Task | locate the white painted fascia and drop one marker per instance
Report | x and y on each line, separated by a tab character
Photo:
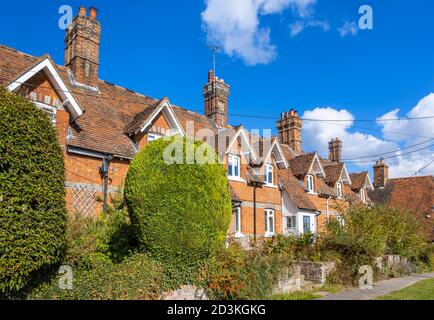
59	85
243	134
320	166
170	116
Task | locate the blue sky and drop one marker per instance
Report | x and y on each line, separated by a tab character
160	48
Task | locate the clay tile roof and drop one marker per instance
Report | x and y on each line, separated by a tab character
350	195
324	189
333	172
358	180
13	63
288	152
301	164
143	116
295	190
416	193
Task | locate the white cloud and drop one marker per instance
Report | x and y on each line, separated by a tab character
235	26
348	28
422	128
357	145
418	132
298	26
316	135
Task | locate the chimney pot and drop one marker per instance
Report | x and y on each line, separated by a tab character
335	150
381	174
93	12
82	11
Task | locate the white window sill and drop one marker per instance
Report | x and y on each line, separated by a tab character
239	235
270	186
312	193
269	235
236	179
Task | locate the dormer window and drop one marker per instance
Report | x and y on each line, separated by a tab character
269	174
339	189
310	184
234	166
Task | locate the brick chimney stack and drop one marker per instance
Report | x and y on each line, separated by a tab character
82	47
381	174
335	150
289	127
216	93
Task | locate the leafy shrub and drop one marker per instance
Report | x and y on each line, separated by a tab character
301	248
180	212
108	237
136	278
371	232
236	274
32	194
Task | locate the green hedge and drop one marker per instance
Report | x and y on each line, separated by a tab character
180	212
32	204
136	278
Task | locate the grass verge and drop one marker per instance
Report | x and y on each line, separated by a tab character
423	290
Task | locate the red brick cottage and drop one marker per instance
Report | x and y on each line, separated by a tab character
276	187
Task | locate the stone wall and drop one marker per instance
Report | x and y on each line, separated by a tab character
316	272
395	263
185	293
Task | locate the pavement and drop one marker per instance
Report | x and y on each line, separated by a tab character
380	289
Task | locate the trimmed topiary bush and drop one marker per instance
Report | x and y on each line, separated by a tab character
180	212
32	194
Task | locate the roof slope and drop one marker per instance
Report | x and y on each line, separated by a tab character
416	193
108	113
295	190
333	172
358	180
302	164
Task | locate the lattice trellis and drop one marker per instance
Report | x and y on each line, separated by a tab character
84	199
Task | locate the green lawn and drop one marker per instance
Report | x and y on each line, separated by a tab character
296	296
423	290
308	295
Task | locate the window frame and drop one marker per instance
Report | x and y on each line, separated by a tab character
270	213
363	195
292	218
49	110
233	165
269	169
339	189
238	222
310	183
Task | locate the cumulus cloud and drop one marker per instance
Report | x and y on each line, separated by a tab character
419	132
359	145
356	144
235	26
348	28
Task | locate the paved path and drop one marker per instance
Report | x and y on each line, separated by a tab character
380	288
